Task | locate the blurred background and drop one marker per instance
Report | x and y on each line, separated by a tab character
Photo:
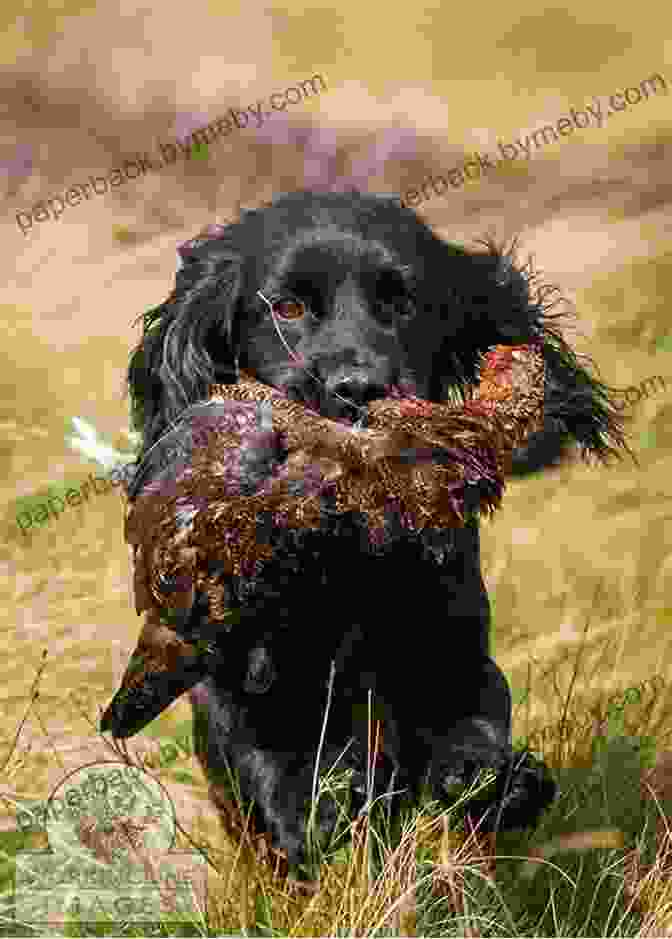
579	557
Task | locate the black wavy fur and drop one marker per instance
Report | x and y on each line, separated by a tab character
385	303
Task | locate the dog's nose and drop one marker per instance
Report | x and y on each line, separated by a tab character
348	395
359	389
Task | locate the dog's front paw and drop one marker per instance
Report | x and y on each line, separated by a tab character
521	790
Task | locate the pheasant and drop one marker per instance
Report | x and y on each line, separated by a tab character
259	472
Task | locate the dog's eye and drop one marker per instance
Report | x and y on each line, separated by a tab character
288	309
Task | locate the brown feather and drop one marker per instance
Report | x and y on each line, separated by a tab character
363	469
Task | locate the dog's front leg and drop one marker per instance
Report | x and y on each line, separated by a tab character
480	740
262	744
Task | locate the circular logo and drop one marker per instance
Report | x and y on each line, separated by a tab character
110	812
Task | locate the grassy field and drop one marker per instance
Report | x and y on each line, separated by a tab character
578	561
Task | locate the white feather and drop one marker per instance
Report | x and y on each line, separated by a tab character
86	442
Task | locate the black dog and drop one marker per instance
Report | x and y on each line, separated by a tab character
334	299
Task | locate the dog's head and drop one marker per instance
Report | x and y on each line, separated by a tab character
337	298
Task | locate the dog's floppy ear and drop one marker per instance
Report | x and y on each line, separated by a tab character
189	342
506	303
